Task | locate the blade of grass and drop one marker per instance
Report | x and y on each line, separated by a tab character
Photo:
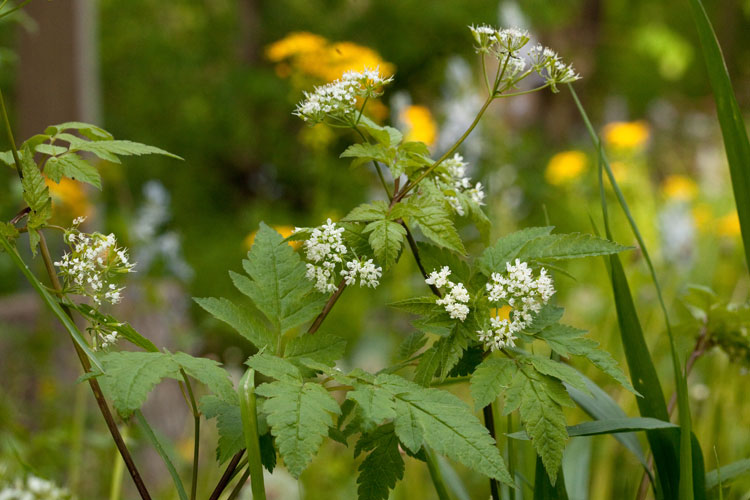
149	432
639	360
725	474
249	414
51	303
733	130
543	489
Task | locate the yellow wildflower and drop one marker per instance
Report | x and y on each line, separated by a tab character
502	312
70	196
295	44
285	231
565	167
627	135
420	124
729	225
679	187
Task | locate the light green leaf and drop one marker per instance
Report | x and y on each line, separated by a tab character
7	158
229	424
506	249
411	344
244	322
375	406
366	152
386	239
35	190
323	348
277	284
8	231
123	329
423	305
490	379
368	212
88	130
436	225
300	416
727	473
568	246
387	136
208	372
274	367
108	147
50	150
73	167
383	467
558	370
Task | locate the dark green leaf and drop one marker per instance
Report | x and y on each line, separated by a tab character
73	167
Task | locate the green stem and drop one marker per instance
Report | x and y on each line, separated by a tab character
249	414
435	474
149	432
117	472
9	132
11	11
240	484
489	423
196	436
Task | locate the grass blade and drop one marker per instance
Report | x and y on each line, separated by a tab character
543	488
51	303
249	413
722	476
609	426
149	432
733	129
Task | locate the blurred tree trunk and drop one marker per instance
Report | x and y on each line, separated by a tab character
58	77
249	32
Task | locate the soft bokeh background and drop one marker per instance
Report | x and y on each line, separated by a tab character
215	81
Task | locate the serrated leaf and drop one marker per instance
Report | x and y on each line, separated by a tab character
423	305
368	212
506	249
299	416
558	370
7	158
130	376
549	315
108	147
356	239
375	406
208	372
324	348
241	320
383	466
35	190
229	424
274	367
366	151
386	239
438	227
440	359
73	167
50	150
411	344
8	231
277	284
91	131
387	136
566	340
490	379
568	246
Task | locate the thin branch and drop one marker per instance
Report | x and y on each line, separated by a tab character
415	252
227	476
329	305
196	434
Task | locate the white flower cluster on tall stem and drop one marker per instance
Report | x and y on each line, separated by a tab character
91	265
33	488
525	294
457	297
506	45
338	100
326	252
455	179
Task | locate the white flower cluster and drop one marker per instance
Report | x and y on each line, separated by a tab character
506	44
92	263
524	294
457	297
33	488
456	179
325	251
338	100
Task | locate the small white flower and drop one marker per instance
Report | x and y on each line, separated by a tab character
33	488
369	273
453	179
439	279
455	300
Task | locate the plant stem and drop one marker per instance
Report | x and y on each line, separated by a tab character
196	436
415	252
249	413
115	488
227	476
9	132
489	423
327	308
435	474
95	388
240	485
375	163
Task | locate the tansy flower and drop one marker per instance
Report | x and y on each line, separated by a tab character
565	167
420	125
285	231
679	188
627	135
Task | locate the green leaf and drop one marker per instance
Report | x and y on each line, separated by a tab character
105	148
323	348
123	329
566	340
208	372
387	136
50	150
365	152
274	367
130	376
726	474
8	231
490	379
383	467
300	416
241	320
411	344
732	124
437	226
7	158
444	354
544	488
277	284
386	239
229	424
149	432
558	370
375	406
612	426
35	190
506	249
86	129
424	305
568	246
368	212
73	167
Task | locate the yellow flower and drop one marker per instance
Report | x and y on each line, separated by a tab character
702	216
502	312
565	167
70	196
729	225
285	231
420	124
627	135
295	44
679	187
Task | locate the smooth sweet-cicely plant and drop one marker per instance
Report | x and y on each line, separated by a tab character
476	321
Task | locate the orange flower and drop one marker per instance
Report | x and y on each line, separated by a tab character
565	167
627	135
285	231
420	124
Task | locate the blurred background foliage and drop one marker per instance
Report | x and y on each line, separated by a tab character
215	81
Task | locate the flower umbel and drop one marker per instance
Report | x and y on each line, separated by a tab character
457	297
33	488
457	186
525	294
